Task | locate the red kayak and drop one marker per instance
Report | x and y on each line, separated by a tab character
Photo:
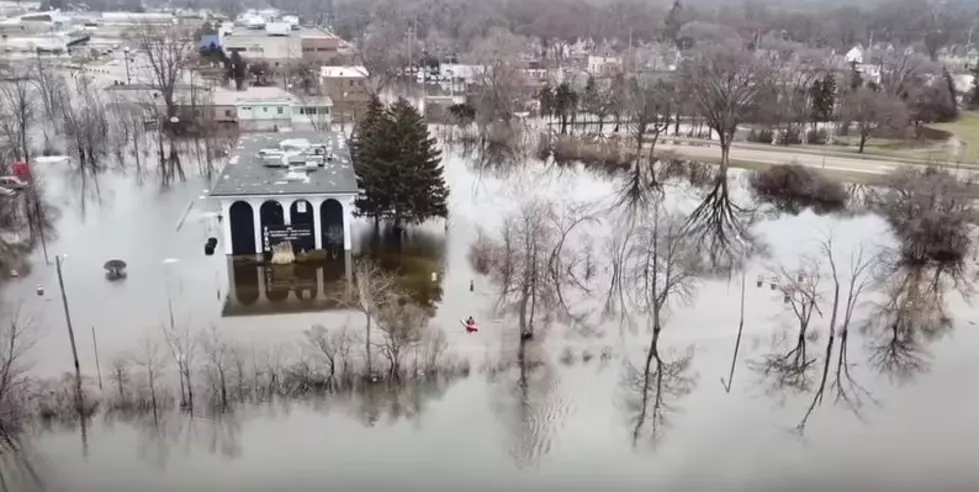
470	327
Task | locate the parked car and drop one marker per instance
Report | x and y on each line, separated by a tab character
12	183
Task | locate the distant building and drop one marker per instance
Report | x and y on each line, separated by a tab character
297	188
270	108
604	65
282	43
347	87
855	55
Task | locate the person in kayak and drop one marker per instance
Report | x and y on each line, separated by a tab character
471	325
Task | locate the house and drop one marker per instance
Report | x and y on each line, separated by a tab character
855	55
270	108
347	87
281	43
603	65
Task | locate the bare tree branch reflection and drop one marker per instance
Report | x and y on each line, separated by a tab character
912	315
654	390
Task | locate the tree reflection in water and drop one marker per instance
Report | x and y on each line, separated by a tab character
529	401
912	315
652	394
18	470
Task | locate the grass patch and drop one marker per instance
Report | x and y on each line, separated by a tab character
966	128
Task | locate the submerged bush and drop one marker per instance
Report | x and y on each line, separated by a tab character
793	188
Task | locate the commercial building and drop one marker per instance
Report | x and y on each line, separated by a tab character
347	88
297	188
271	109
281	43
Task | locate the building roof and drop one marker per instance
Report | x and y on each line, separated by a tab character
340	72
247	175
254	95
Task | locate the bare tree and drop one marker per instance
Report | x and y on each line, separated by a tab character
17	337
334	346
404	327
151	360
183	349
932	213
377	52
119	374
874	113
532	261
723	83
217	352
169	51
372	289
499	77
661	269
789	369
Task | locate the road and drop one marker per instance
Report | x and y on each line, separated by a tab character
776	157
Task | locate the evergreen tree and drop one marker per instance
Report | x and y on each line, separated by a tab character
974	93
414	180
398	166
545	97
822	94
369	149
565	104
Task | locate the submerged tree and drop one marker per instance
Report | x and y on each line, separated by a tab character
661	269
533	261
931	211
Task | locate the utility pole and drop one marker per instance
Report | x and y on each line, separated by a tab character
98	369
71	333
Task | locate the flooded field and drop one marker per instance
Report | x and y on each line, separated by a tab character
857	412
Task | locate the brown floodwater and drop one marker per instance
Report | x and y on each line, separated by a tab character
569	424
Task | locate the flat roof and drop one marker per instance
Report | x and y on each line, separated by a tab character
357	71
246	173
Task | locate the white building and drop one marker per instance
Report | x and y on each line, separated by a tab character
855	55
274	46
298	188
271	108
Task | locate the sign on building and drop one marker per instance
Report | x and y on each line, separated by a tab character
300	235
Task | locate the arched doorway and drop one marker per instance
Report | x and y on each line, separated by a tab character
331	219
242	222
271	214
301	213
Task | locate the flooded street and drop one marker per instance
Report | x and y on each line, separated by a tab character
888	417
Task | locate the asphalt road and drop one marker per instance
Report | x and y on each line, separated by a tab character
778	157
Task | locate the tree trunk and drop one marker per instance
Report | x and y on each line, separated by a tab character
863	141
367	345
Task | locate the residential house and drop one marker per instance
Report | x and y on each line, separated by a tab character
347	88
603	65
270	109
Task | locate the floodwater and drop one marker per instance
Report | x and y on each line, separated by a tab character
570	424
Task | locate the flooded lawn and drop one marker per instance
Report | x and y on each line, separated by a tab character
883	415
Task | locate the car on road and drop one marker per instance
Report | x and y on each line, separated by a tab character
12	183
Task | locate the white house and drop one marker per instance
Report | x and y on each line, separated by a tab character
855	55
271	108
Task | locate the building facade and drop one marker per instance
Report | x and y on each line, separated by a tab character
297	187
347	88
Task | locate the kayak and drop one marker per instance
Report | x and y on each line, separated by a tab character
470	328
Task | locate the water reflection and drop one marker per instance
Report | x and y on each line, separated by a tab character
300	287
529	401
653	391
18	470
256	288
912	315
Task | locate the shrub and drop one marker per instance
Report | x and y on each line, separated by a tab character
763	135
816	137
792	188
791	136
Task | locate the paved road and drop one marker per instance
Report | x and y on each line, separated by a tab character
832	163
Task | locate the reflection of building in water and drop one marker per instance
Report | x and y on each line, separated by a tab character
295	187
266	289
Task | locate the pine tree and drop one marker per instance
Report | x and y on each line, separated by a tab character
369	149
823	98
413	181
545	97
974	93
